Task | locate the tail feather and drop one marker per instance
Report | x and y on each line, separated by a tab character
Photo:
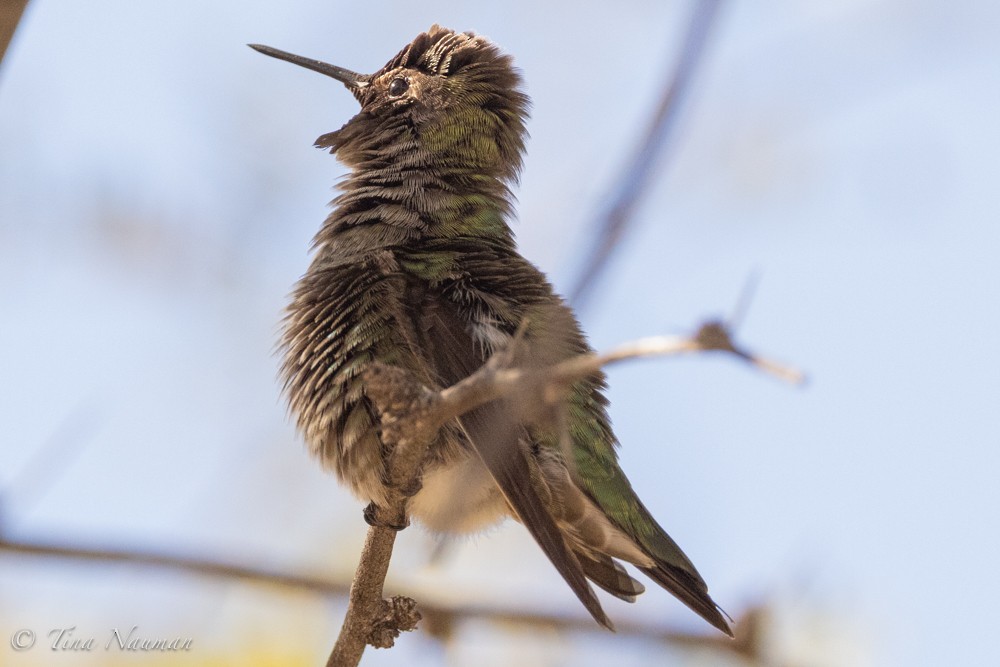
597	539
610	575
691	592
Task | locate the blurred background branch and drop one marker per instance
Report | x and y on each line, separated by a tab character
440	617
611	227
162	558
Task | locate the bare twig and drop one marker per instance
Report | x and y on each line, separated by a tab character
612	225
715	335
742	306
490	382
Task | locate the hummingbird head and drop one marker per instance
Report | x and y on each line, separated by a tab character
452	98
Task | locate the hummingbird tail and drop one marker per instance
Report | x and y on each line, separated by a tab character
609	575
494	435
690	592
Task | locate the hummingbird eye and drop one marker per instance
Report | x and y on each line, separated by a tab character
398	87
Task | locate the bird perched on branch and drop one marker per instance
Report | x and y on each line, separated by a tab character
417	267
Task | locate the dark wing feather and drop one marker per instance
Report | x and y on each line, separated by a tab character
495	434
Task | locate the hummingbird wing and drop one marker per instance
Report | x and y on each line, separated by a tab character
497	437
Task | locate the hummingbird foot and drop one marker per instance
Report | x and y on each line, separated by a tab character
375	516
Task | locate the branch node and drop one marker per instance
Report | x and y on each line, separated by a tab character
398	614
714	335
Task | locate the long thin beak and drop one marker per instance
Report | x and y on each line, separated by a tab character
352	80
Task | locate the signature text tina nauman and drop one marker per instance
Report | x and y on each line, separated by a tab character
64	639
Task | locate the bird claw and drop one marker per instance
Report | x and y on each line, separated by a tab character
372	518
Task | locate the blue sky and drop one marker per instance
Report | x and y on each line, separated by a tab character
158	192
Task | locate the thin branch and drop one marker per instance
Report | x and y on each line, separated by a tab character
490	383
613	224
742	306
408	429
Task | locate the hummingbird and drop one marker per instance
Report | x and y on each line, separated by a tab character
417	267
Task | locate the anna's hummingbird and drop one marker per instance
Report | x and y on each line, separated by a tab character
417	267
